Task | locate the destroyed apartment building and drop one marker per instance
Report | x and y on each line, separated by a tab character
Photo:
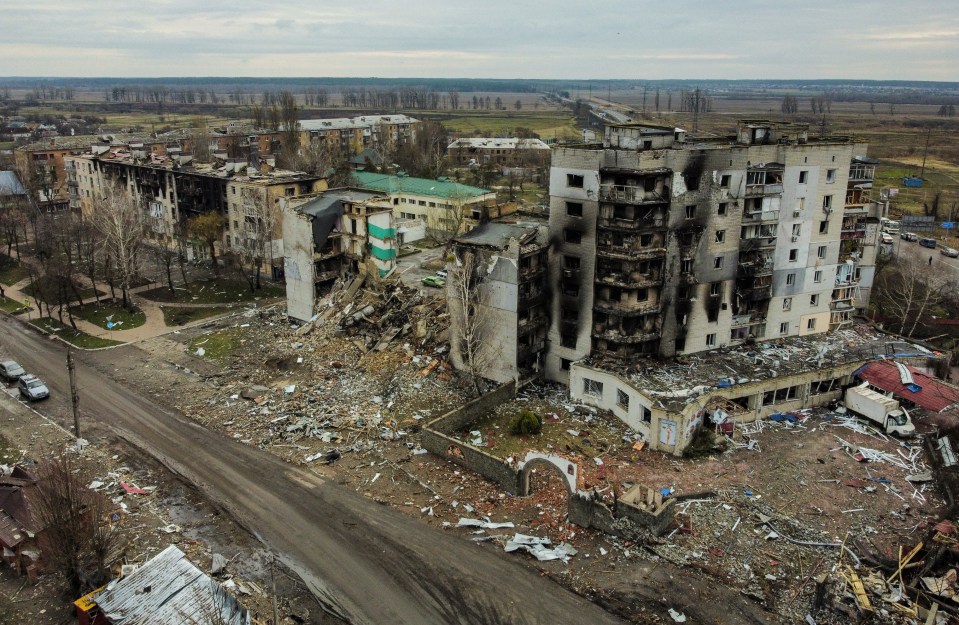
667	246
496	290
336	234
171	188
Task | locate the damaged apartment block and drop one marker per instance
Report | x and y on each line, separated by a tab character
665	245
497	294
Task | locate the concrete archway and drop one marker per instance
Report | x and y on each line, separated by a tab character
567	470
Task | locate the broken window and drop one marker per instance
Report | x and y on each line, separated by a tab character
571	262
827	203
686	266
803	175
647	415
570	314
830	175
592	388
564	364
574	180
793	255
645	240
724	181
573	236
817	276
690	211
790	279
784	327
814	299
622	398
570	289
823	227
711	340
718	262
811	324
787	303
720	236
797	230
821	252
574	209
722	208
716	288
568	340
649	185
642	295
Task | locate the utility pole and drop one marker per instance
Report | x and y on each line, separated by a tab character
925	153
74	395
276	618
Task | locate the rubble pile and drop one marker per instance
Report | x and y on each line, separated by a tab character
369	367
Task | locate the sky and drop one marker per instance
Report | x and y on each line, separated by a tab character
554	39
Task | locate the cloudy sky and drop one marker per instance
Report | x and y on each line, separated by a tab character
870	39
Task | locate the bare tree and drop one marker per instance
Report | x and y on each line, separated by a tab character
208	227
289	127
202	138
907	291
469	323
260	222
446	220
76	526
120	223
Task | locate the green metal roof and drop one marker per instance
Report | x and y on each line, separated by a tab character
417	186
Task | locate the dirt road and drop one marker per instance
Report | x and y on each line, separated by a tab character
368	563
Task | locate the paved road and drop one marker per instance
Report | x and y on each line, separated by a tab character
368	563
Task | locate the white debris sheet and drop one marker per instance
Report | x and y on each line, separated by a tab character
539	548
487	524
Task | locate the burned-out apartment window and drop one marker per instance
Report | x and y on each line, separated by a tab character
793	255
823	227
645	240
567	340
722	208
573	236
565	363
571	289
647	145
690	211
724	181
647	415
803	175
574	180
592	388
649	185
827	203
574	209
569	314
718	262
571	262
711	340
720	236
686	266
716	288
642	295
622	398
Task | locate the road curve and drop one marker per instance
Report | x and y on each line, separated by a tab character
367	563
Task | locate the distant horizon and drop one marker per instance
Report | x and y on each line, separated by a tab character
498	39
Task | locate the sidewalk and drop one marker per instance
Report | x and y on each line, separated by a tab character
153	326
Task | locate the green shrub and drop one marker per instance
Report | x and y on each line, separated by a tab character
526	423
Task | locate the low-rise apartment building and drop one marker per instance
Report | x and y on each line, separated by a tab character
504	152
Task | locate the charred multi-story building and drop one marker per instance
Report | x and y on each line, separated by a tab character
665	244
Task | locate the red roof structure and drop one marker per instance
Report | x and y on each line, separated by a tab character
926	391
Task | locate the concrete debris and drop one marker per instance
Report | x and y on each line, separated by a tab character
487	524
678	617
539	548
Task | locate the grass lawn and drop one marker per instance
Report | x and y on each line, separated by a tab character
557	124
48	287
10	305
74	337
218	345
11	271
179	316
213	291
98	315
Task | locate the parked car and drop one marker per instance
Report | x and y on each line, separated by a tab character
909	236
927	242
32	388
10	371
434	281
441	274
885	238
951	252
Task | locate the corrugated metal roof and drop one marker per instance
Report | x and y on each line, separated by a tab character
10	184
418	186
933	395
169	590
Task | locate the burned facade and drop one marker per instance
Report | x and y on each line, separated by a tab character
668	245
499	275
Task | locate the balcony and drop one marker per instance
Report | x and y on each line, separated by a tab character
524	352
859	232
629	252
624	194
615	336
528	300
761	190
627	282
746	320
755	293
760	217
757	243
527	273
632	225
532	323
626	309
754	269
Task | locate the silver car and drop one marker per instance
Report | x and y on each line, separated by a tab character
32	388
951	252
10	371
